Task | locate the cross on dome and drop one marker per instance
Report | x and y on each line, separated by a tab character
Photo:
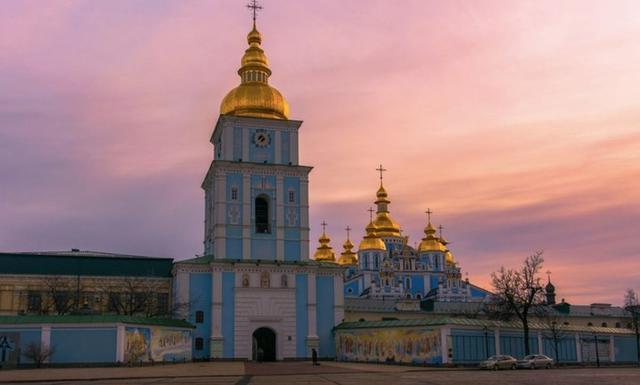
429	212
254	7
381	170
348	229
371	210
324	225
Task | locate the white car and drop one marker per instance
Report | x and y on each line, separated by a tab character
534	361
500	361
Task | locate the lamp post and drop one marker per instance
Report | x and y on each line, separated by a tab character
486	342
595	339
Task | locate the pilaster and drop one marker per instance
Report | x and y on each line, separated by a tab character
279	198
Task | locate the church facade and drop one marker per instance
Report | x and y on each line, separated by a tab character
255	293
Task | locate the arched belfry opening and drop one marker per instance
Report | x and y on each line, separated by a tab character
264	344
262	214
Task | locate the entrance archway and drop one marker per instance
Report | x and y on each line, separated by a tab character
264	344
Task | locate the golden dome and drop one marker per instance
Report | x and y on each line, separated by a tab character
385	225
348	257
372	241
324	253
430	242
254	96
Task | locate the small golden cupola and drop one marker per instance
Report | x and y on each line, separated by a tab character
348	256
254	97
430	242
385	225
324	252
371	240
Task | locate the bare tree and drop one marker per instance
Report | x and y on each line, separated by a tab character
37	353
554	328
632	306
62	295
136	295
519	291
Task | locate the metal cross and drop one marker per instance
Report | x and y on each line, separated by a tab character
370	214
440	229
324	225
254	7
429	212
348	231
381	170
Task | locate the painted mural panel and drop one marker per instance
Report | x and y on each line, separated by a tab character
157	344
9	348
417	346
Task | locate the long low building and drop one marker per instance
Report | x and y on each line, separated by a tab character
450	340
104	339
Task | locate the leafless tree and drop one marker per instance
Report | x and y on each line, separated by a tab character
632	306
37	353
554	328
62	295
136	295
519	291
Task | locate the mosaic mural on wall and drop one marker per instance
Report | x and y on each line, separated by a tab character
156	344
420	346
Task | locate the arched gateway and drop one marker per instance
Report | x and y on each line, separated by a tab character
264	345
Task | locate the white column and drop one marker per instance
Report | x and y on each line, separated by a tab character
120	336
279	198
338	299
612	350
245	144
278	147
496	337
311	303
294	147
217	339
444	344
182	294
578	348
246	216
540	349
219	229
304	219
45	338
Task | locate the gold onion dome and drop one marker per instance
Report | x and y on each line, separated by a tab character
448	257
348	256
324	252
372	241
385	225
430	242
254	97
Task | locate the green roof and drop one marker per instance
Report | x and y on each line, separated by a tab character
107	318
84	263
459	321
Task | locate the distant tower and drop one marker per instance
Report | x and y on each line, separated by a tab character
550	291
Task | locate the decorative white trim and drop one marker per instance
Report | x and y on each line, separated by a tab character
120	342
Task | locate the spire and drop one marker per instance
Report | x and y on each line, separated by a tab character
348	256
387	227
430	242
324	252
254	96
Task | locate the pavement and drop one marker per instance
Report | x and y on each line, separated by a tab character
283	373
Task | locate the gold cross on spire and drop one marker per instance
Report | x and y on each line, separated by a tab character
429	212
348	231
370	214
324	225
381	170
440	229
254	7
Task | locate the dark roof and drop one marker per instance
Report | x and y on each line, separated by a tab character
37	319
78	262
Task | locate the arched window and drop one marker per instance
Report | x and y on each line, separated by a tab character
589	324
199	317
418	296
234	193
245	280
618	325
604	324
265	280
262	215
284	281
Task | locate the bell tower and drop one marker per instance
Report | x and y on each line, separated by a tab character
256	193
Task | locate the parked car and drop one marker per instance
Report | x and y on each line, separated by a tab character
534	361
500	361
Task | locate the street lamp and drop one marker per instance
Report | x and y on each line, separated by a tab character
486	342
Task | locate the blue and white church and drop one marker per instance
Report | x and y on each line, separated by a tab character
255	291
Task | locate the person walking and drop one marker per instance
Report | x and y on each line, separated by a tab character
314	357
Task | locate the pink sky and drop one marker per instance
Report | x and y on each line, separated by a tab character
515	122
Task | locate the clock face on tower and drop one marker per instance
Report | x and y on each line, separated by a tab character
261	138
